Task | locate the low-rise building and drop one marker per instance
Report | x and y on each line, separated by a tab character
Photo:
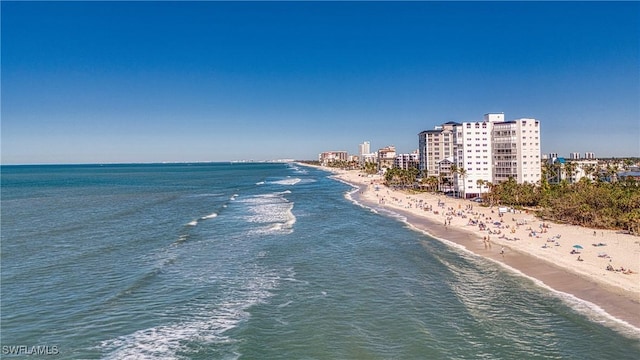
386	157
331	156
407	161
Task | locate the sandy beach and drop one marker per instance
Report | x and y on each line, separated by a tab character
566	258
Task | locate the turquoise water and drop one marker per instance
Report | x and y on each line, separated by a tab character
257	261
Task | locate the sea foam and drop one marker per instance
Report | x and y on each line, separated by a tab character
273	212
205	325
210	216
288	181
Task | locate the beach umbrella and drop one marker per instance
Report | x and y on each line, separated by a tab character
577	246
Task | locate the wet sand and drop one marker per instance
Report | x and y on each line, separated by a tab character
621	304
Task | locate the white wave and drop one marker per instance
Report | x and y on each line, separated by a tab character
204	325
210	216
288	181
297	169
285	304
592	311
193	223
206	195
182	238
233	197
272	211
260	183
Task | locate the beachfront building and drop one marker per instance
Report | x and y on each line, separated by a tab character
386	157
469	155
474	149
434	146
407	161
369	158
328	157
516	151
364	148
366	156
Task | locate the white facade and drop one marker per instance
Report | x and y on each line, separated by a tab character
516	151
364	148
492	150
474	153
574	156
406	161
331	156
434	146
386	157
369	158
582	168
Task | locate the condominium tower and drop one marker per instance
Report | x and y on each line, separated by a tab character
436	146
488	151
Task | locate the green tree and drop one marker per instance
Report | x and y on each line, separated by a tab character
463	174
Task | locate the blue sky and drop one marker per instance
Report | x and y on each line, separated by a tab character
91	82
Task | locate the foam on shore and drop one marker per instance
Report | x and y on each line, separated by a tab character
613	302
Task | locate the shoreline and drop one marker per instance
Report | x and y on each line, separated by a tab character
614	293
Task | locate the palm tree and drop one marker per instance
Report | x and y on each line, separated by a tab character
453	170
441	179
413	174
589	171
480	183
463	173
491	195
432	182
551	172
570	170
612	171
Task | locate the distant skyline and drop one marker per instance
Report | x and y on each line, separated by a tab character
109	82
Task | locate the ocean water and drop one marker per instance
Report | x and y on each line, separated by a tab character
257	261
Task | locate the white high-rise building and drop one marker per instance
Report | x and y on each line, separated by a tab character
474	154
574	156
436	145
492	150
365	154
516	151
364	148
